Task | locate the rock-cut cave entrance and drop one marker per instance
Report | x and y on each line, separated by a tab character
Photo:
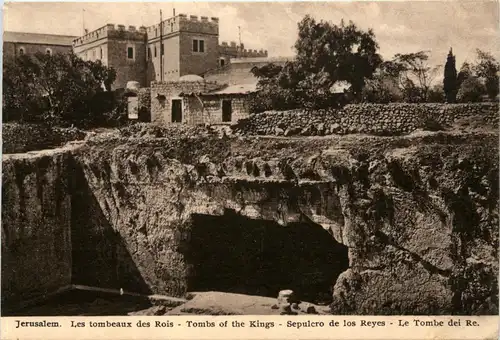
232	253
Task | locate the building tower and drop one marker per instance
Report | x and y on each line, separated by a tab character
117	47
182	45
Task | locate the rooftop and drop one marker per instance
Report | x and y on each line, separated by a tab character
261	60
236	89
227	90
38	38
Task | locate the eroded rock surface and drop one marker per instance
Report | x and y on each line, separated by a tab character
417	216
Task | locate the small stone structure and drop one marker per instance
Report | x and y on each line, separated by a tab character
199	102
378	119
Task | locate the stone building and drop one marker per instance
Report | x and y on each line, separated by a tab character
239	70
164	52
234	51
19	43
119	47
194	101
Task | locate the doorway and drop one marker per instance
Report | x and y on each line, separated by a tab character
227	111
176	110
236	254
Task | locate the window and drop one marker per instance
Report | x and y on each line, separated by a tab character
155	51
130	52
21	51
149	52
162	49
100	53
48	51
222	62
198	45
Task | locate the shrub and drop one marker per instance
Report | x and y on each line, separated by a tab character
18	138
437	95
471	90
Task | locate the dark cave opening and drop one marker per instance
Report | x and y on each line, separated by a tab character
232	253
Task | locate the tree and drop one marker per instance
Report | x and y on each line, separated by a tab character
436	94
465	72
470	90
450	78
327	53
59	88
415	74
384	87
277	88
21	101
487	68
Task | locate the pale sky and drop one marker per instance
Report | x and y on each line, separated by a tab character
400	27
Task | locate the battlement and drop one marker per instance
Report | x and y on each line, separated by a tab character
239	51
183	22
111	31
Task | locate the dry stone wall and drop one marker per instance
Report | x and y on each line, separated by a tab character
378	119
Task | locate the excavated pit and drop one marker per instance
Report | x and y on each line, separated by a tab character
418	214
235	254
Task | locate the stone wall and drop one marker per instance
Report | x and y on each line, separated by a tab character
197	62
211	110
171	59
378	119
161	106
11	49
127	69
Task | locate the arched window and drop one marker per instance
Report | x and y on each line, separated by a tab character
48	51
21	51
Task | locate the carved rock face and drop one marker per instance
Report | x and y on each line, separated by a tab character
389	226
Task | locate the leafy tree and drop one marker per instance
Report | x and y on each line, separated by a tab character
384	87
21	101
487	68
60	88
470	90
414	73
450	78
327	53
436	94
465	72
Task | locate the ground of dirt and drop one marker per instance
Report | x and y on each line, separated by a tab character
89	303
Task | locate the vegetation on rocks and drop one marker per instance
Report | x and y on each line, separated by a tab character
18	138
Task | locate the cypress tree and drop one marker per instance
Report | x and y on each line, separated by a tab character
450	78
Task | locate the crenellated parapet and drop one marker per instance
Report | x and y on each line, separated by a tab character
183	22
239	51
111	31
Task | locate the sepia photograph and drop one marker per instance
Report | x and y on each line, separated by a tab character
250	158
